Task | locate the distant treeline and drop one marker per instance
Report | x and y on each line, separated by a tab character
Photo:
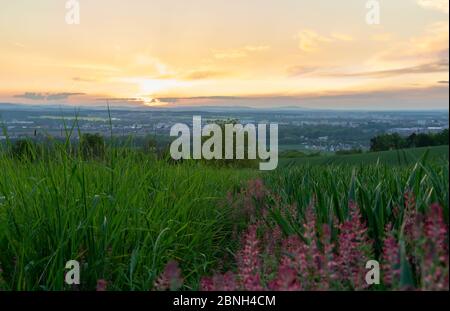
395	141
95	147
88	147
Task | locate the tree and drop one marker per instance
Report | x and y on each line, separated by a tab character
411	141
424	140
92	146
387	142
24	149
150	145
442	138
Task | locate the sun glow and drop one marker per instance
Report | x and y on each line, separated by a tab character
152	102
149	87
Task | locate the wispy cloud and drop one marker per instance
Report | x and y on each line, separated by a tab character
239	52
47	96
301	70
82	79
440	66
311	41
203	74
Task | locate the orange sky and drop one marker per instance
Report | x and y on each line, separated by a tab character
250	52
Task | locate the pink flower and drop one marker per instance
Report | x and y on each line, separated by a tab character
391	259
101	285
435	263
219	282
286	279
2	281
170	278
256	189
249	265
354	248
207	284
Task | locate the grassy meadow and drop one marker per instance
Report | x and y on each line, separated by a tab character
138	223
391	157
123	219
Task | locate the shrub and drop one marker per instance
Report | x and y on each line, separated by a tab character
24	149
92	146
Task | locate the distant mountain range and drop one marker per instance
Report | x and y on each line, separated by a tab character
34	107
96	107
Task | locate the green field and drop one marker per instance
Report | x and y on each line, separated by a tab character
393	157
126	216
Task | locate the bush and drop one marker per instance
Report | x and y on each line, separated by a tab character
92	146
24	149
386	142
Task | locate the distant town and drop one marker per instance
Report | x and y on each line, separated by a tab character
299	129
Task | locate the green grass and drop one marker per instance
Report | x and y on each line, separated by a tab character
125	217
123	220
378	189
393	157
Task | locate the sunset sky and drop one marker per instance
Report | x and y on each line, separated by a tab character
260	53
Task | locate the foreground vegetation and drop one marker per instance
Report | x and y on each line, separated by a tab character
139	223
123	218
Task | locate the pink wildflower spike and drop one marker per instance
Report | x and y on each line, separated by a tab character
314	258
272	241
436	229
410	218
229	282
2	281
256	189
207	284
286	279
170	278
390	259
221	282
329	262
352	242
101	285
249	264
435	263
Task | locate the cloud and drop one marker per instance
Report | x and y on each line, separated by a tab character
81	79
301	70
440	5
311	41
203	74
47	96
120	99
404	98
239	52
430	46
439	66
432	67
32	96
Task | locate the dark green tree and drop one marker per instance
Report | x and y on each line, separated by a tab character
24	149
92	146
